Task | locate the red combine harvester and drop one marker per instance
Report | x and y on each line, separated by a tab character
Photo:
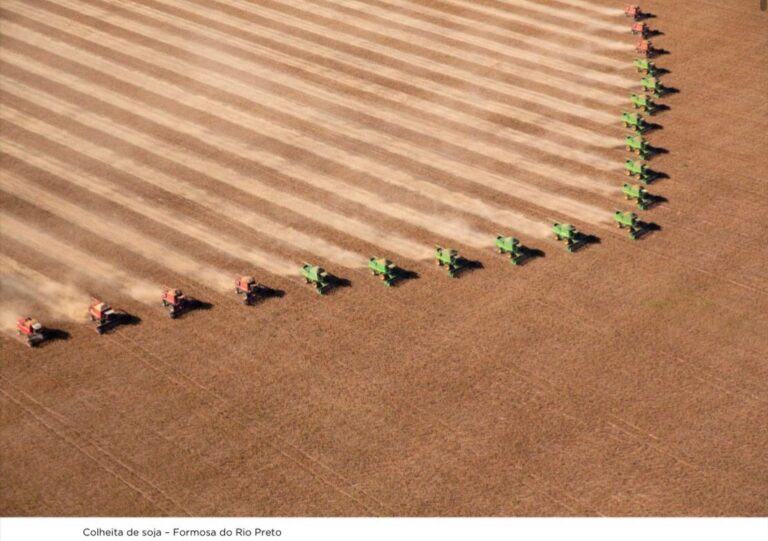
175	301
645	48
634	11
32	329
249	288
103	314
640	29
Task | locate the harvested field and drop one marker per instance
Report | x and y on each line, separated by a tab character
186	142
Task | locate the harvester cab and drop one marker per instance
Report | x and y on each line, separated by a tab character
384	269
103	314
175	301
512	247
568	235
450	259
248	288
317	276
32	330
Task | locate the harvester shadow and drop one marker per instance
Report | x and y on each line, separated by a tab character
467	265
659	108
655	176
652	126
659	52
403	275
646	228
656	151
655	201
266	292
584	241
52	335
654	33
335	282
124	318
193	305
645	16
669	90
529	254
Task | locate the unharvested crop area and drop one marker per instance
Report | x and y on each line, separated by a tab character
186	142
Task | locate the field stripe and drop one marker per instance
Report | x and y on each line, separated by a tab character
291	85
476	26
181	223
445	54
567	14
583	5
268	50
78	260
223	172
459	40
500	17
521	190
485	109
413	64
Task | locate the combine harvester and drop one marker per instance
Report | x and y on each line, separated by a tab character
645	66
571	237
175	302
634	121
639	170
31	329
638	194
451	260
652	85
103	314
634	12
513	248
645	47
249	289
638	145
317	276
630	221
387	271
642	101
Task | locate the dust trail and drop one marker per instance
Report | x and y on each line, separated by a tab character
101	272
167	218
453	167
499	34
505	16
104	226
508	50
505	217
557	84
506	135
20	284
491	109
582	5
446	226
464	76
570	14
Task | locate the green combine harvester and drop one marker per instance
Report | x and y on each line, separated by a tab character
317	276
643	65
637	169
512	247
651	84
450	259
638	194
629	220
637	144
384	269
568	235
641	101
634	121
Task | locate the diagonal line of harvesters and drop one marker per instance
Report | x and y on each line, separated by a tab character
643	102
177	303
